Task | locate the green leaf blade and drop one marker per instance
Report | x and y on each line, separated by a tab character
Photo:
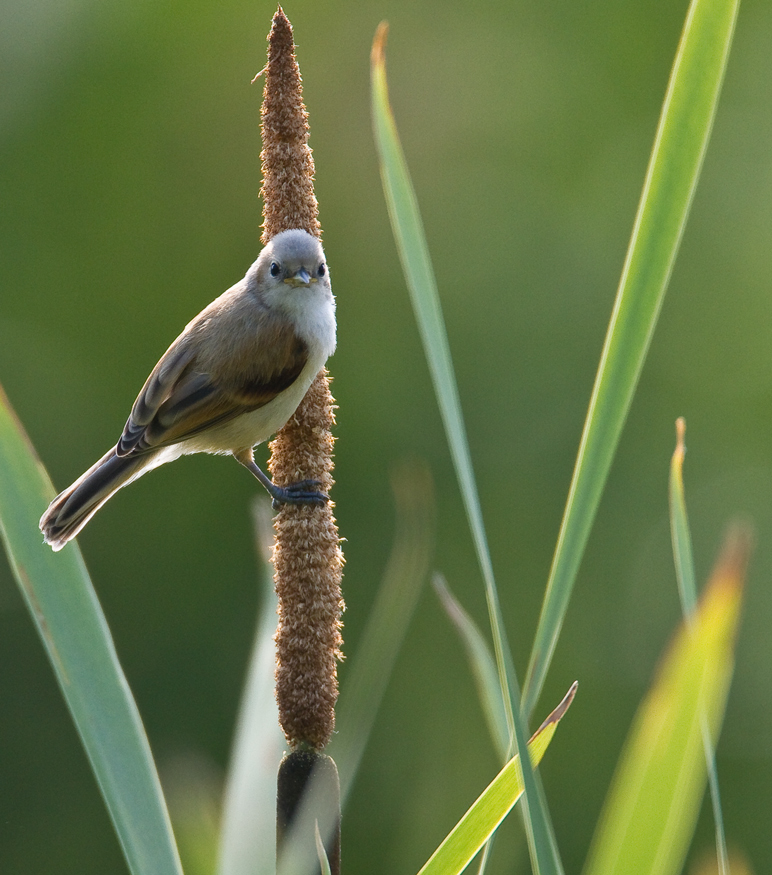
674	168
59	595
414	255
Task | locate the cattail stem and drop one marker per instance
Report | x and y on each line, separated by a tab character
308	797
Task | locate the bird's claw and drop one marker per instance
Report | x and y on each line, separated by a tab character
302	492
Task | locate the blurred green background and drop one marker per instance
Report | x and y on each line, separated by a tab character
129	171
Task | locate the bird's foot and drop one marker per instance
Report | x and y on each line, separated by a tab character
302	492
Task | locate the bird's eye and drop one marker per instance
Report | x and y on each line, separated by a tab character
322	269
275	268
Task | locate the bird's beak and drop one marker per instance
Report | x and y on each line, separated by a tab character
301	278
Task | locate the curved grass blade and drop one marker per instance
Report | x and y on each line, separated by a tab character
480	822
481	662
674	168
248	829
652	806
416	264
684	563
59	595
368	674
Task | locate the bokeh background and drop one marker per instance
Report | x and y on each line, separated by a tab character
129	172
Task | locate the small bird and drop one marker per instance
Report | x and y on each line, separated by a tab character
232	379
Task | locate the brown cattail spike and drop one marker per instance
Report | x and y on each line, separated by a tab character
288	166
308	565
307	558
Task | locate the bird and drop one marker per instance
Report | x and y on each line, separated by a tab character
233	378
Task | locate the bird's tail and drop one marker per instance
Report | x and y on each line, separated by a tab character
73	508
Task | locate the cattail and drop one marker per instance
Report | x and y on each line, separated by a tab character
307	558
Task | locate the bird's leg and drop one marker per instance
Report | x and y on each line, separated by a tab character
302	492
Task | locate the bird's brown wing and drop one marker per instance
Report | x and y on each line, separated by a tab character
158	387
178	401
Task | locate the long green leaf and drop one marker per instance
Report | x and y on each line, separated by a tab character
62	602
682	137
416	264
684	563
652	806
479	823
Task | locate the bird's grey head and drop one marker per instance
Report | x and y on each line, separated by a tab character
292	259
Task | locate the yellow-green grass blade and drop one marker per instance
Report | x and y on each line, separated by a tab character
684	563
682	137
652	806
481	663
62	602
479	823
416	264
